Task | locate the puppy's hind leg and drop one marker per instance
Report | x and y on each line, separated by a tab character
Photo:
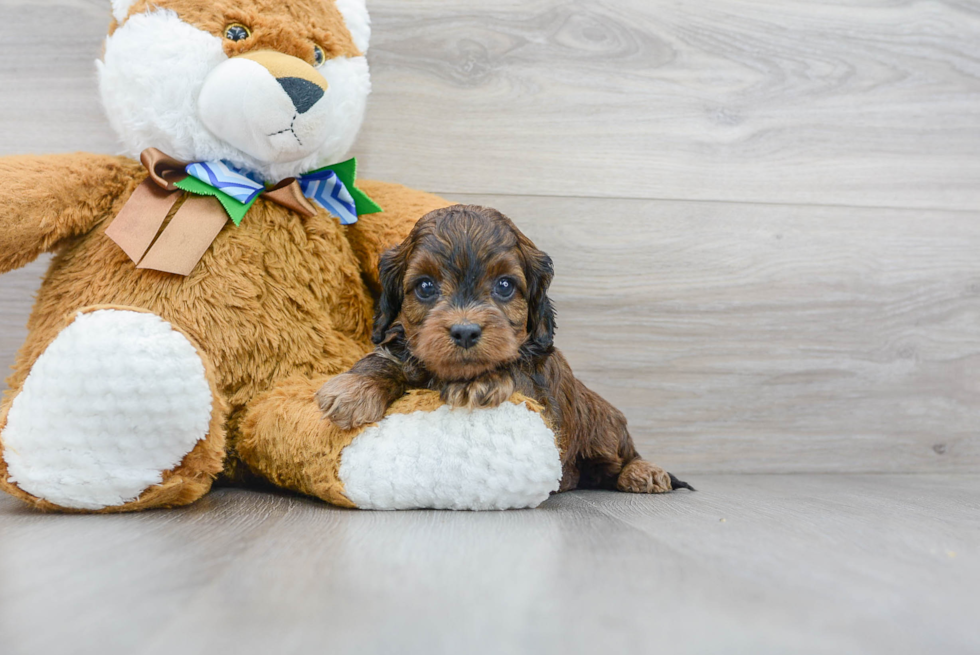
641	477
607	457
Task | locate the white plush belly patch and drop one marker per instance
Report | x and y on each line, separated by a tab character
118	398
502	458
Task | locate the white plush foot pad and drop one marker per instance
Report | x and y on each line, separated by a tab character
503	458
117	399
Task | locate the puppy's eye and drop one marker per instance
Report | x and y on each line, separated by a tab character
319	56
505	288
237	32
426	289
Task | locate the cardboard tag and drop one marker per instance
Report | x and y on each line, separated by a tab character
140	219
190	233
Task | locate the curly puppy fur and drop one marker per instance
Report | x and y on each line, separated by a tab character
464	310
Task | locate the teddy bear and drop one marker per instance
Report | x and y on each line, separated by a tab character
209	280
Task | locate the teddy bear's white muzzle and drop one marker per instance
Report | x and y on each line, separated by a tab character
274	119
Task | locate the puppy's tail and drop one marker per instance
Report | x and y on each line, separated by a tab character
676	484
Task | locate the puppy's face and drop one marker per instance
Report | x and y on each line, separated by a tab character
469	290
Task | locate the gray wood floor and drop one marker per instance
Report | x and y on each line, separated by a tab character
748	564
765	218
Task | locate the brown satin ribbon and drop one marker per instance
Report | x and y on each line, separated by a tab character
194	227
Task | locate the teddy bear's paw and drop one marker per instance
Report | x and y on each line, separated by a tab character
117	399
501	458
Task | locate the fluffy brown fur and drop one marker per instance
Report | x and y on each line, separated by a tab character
291	27
280	296
464	310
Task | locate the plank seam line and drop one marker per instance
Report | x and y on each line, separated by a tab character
711	201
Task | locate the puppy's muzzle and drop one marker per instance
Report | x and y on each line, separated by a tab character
465	335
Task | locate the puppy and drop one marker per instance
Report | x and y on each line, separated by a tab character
464	309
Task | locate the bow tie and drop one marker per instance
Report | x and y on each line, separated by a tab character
324	186
197	222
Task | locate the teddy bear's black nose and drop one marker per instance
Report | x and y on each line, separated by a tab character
303	93
465	335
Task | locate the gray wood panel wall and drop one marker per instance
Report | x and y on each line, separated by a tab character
765	217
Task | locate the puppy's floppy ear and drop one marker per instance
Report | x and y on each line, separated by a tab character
538	270
391	271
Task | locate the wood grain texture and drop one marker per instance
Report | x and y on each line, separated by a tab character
760	564
48	82
874	102
755	338
735	336
17	290
763	338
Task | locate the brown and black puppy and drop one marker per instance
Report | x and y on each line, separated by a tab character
465	310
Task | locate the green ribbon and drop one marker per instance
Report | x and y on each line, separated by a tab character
346	171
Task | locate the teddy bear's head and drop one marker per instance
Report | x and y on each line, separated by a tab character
278	87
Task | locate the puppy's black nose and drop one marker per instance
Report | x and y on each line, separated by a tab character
465	335
303	93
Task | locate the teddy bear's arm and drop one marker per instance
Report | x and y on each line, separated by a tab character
375	233
47	198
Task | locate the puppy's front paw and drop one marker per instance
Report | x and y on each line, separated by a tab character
485	392
351	400
642	477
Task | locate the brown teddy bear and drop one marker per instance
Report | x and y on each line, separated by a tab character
201	295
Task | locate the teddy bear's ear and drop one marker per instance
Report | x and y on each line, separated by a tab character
120	9
355	14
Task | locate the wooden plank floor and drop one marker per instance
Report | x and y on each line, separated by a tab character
736	332
868	102
765	219
689	167
754	338
748	564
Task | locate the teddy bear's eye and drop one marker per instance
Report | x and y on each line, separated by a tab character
237	32
319	56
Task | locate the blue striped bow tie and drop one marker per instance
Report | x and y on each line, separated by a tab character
326	187
182	243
